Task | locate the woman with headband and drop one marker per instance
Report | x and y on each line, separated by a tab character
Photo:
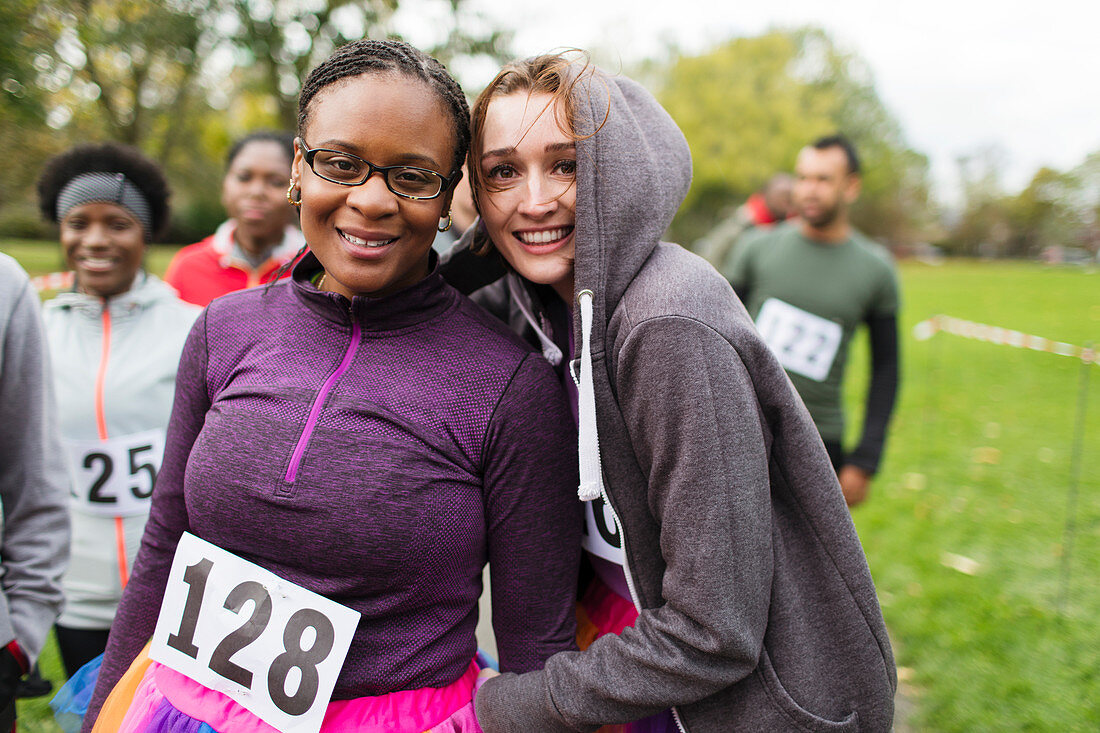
115	341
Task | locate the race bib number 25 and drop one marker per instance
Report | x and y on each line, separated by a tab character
272	646
115	477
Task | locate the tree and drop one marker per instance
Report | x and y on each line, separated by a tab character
127	67
748	106
25	45
22	41
180	78
1057	210
983	226
274	43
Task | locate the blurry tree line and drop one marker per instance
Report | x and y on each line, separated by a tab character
179	79
1056	217
182	78
748	107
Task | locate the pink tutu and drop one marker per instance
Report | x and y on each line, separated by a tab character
166	701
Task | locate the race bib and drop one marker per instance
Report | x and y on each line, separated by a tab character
272	646
115	477
601	532
802	342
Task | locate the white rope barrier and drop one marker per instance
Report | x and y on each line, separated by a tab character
53	281
928	328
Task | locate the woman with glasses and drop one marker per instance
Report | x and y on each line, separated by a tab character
727	588
348	447
259	236
115	340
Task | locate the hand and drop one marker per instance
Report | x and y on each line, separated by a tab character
486	674
855	483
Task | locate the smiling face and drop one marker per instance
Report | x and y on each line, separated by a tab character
105	245
370	240
254	194
529	166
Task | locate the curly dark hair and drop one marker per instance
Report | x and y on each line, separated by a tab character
369	56
105	158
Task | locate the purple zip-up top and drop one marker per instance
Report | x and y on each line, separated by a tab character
378	452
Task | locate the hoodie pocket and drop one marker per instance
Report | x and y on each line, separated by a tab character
800	718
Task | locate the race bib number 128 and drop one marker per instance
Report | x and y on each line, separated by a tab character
272	646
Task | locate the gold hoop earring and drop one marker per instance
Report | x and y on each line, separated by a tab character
290	195
449	222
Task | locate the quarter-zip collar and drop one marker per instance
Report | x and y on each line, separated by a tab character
410	307
145	290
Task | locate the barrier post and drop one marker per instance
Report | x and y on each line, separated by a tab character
1069	535
926	331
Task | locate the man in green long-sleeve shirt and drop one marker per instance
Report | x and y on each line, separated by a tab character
809	284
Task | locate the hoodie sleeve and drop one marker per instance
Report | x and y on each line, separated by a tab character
137	613
696	430
33	480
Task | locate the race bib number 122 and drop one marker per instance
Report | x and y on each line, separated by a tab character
803	343
272	646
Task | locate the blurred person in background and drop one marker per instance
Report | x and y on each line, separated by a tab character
259	236
760	212
34	522
115	341
809	285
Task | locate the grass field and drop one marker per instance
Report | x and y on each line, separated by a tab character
964	529
39	258
978	468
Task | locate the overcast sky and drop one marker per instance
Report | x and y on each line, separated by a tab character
958	74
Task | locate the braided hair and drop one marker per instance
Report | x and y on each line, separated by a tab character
285	141
369	56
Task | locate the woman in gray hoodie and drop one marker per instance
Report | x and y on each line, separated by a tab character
730	590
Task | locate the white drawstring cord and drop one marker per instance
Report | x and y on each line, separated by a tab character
588	439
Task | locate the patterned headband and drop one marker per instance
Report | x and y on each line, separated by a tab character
106	188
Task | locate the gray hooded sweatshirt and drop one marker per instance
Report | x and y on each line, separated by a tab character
34	486
758	612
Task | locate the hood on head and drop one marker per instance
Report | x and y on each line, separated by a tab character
633	172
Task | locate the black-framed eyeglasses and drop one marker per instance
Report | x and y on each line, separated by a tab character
350	170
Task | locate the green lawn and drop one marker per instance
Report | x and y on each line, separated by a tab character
39	258
978	468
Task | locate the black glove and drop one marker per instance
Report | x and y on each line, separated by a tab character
10	671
